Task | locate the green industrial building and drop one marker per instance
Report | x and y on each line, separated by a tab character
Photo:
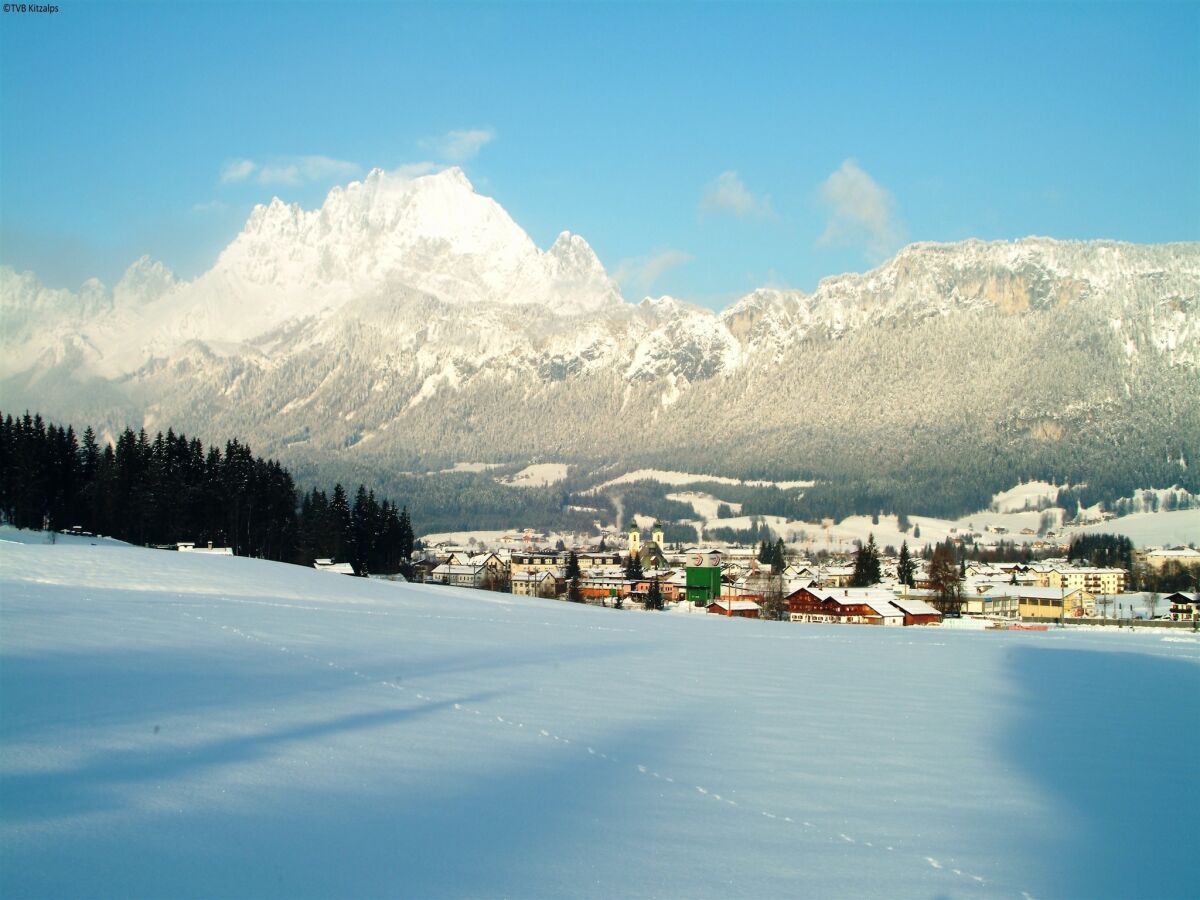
703	584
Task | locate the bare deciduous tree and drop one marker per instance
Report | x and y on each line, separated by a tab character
773	606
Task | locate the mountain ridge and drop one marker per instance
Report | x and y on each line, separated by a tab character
412	319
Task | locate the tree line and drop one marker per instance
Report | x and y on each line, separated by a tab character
171	489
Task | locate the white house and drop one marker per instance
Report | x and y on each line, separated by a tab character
190	547
328	565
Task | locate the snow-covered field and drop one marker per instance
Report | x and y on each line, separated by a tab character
705	505
1027	495
1015	511
181	725
680	478
538	475
1159	529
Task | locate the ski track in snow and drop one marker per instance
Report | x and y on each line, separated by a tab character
543	733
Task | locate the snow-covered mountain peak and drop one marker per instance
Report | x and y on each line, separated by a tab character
387	235
433	233
145	281
568	246
667	303
271	217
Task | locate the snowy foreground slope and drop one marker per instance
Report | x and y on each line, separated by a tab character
179	725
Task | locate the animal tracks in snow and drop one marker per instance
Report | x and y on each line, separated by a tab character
639	768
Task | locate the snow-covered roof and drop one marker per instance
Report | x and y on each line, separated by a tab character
1028	592
342	568
914	607
734	605
539	575
884	607
447	569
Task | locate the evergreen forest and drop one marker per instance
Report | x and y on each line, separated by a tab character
169	489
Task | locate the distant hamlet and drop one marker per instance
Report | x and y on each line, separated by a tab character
171	493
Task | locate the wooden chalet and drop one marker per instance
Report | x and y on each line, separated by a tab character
845	605
741	609
1184	607
859	606
916	611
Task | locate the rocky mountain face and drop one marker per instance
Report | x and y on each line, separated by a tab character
411	323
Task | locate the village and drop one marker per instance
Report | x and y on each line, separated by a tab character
634	571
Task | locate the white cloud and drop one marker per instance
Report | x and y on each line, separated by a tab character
460	145
638	273
728	194
237	170
415	169
860	212
290	170
304	169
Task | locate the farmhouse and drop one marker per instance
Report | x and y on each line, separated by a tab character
916	612
328	565
1184	607
865	606
743	609
190	547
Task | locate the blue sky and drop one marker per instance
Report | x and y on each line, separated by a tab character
702	149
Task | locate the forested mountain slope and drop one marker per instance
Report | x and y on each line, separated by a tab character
411	324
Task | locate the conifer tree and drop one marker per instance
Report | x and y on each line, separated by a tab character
905	568
572	573
778	556
654	597
339	521
405	540
866	564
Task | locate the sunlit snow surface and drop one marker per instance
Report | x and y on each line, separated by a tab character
180	725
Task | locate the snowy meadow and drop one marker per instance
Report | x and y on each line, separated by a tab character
177	725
